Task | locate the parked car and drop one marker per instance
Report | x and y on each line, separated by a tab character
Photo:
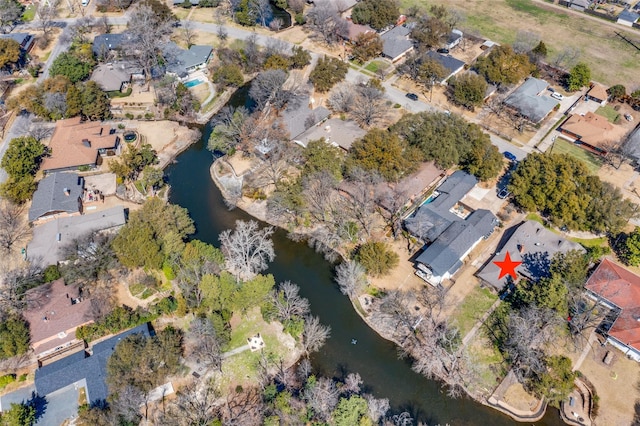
504	193
558	96
628	117
443	50
412	96
510	156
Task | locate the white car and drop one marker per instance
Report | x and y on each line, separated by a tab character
558	96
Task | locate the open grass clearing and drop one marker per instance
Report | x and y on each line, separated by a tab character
29	13
488	363
561	146
590	242
467	314
609	113
611	60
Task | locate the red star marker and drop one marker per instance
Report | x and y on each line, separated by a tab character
507	266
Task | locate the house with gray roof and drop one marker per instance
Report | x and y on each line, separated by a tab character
298	116
181	62
627	17
337	132
114	77
84	369
25	40
57	193
453	39
396	42
105	43
529	100
50	238
337	5
451	64
444	257
435	216
533	245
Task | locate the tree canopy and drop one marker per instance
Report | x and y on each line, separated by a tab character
378	14
327	72
448	140
579	77
377	258
367	46
384	152
321	156
21	162
468	90
71	66
9	52
560	187
504	66
14	337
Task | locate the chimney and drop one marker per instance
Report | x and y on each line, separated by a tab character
521	248
101	128
86	142
67	192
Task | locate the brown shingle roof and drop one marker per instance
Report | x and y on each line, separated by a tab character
68	148
53	316
598	91
622	288
593	129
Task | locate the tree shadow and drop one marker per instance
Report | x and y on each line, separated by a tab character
39	403
537	264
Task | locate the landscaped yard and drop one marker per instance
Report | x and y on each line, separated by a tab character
609	113
29	13
611	59
561	146
472	308
488	363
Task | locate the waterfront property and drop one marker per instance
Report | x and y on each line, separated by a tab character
335	131
76	143
54	311
182	62
618	289
115	77
534	246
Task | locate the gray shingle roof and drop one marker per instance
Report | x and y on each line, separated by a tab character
80	365
180	60
335	131
25	40
105	42
452	64
532	244
445	254
295	116
111	77
57	192
628	16
396	41
527	101
430	220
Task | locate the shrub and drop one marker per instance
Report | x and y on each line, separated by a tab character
51	273
168	271
129	115
377	257
6	379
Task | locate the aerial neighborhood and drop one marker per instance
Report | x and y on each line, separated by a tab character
206	208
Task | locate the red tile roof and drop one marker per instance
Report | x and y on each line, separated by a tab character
53	317
620	287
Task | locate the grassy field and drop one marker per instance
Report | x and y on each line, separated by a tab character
29	13
593	163
611	60
488	364
609	113
472	308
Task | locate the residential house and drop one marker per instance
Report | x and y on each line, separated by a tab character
105	43
411	189
396	43
353	31
180	2
453	39
338	5
627	17
24	40
76	143
436	214
533	245
487	45
618	289
632	145
335	131
597	93
451	64
115	77
579	5
182	62
50	238
54	312
83	369
529	100
444	257
299	115
592	132
57	194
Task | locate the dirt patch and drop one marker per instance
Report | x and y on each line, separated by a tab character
168	138
625	178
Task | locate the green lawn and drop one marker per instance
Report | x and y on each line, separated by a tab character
488	363
561	146
29	13
591	242
472	308
609	113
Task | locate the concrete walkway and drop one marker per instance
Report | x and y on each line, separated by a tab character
235	351
586	350
466	339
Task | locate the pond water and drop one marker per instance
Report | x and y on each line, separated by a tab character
373	357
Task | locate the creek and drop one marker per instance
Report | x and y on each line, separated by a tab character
373	357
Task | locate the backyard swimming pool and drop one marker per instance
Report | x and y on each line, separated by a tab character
192	83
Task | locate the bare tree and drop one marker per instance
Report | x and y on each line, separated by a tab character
266	89
127	403
275	167
10	13
525	41
351	278
188	33
89	258
377	407
314	334
391	203
322	397
46	13
262	10
369	107
14	286
321	199
13	225
204	343
352	384
360	203
247	249
342	97
326	22
288	302
103	23
149	33
194	405
566	58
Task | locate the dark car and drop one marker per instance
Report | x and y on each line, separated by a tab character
443	50
504	193
412	96
509	156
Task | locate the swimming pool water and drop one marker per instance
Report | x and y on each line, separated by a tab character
192	83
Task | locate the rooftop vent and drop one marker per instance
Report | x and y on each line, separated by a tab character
86	142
